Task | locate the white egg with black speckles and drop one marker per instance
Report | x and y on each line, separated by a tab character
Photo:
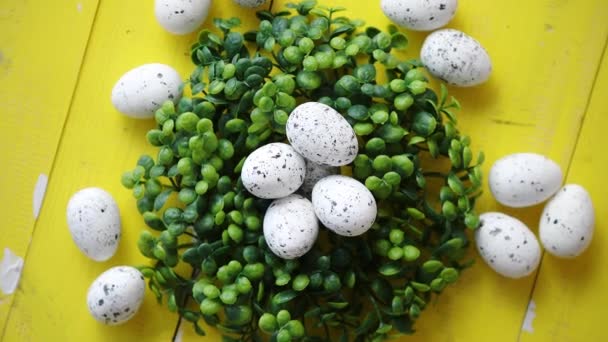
321	134
290	226
142	90
94	222
250	3
116	295
314	173
567	223
524	179
456	58
507	245
273	171
344	205
181	16
420	15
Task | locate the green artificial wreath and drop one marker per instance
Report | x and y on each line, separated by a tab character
243	88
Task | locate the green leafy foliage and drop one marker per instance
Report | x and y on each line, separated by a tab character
243	88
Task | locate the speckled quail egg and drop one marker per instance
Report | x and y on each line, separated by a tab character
116	295
456	58
181	16
420	15
567	223
94	223
250	3
507	245
290	226
344	205
273	171
314	173
321	135
142	90
524	179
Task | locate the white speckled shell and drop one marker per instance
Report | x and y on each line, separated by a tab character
290	226
456	58
420	15
142	90
344	205
181	16
567	223
524	179
273	171
94	222
321	135
507	245
314	173
250	3
116	295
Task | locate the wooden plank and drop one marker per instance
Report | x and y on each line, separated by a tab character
544	56
98	144
568	299
42	44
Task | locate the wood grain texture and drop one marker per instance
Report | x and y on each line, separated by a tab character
98	144
569	294
545	56
41	48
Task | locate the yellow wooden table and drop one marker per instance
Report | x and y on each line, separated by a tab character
59	60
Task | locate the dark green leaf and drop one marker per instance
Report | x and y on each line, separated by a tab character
264	15
384	328
399	40
368	323
198	329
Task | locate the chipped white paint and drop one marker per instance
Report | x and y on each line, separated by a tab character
79	6
39	191
10	271
530	314
180	333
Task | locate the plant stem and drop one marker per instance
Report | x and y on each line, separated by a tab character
434	174
191	235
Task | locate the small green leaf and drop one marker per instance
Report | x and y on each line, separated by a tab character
390	269
432	266
197	328
443	95
456	184
398	41
481	157
284	297
171	303
450	275
161	199
368	323
415	140
338	305
384	328
420	287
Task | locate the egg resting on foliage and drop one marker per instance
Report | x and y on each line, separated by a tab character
242	96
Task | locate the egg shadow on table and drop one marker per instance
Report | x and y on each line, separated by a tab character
578	270
139	127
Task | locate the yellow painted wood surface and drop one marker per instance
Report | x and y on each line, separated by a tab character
545	54
42	44
570	295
